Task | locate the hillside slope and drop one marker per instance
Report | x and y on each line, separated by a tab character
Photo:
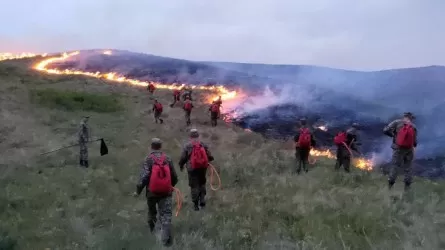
50	203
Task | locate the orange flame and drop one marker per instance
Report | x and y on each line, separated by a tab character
43	66
11	56
361	163
225	94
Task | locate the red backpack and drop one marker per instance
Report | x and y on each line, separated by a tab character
176	92
198	158
160	179
158	107
151	87
340	138
215	108
405	136
188	106
304	140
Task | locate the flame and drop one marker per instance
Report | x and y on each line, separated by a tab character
43	66
361	163
11	56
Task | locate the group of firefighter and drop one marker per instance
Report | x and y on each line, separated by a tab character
214	109
158	176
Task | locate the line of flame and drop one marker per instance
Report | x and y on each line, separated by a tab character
43	66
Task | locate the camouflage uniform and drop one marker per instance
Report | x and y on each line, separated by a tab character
302	154
402	158
219	102
157	114
196	177
164	202
213	117
343	154
187	114
83	139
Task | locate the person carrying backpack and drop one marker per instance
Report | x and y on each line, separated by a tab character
158	177
343	154
176	97
188	106
304	140
157	109
196	156
151	88
214	113
404	134
219	103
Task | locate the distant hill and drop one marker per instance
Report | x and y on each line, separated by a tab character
348	95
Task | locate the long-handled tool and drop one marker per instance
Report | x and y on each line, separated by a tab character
103	147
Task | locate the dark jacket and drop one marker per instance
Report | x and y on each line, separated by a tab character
352	139
297	136
145	175
186	153
393	128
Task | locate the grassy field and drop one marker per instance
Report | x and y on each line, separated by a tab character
49	202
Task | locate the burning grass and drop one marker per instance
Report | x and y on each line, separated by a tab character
49	202
76	101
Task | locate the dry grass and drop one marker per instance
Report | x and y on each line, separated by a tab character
49	202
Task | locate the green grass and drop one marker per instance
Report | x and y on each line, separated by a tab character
50	202
75	101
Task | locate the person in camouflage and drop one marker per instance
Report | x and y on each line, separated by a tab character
302	154
197	177
83	139
219	102
187	94
214	114
402	158
343	155
187	112
164	202
157	110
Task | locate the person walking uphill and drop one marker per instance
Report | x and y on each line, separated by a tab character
343	155
151	88
157	109
176	97
188	106
83	139
158	177
214	113
196	156
304	140
404	134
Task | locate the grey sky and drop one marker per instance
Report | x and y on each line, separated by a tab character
366	34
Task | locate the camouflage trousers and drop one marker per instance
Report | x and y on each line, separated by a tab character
175	100
187	117
164	206
401	159
343	159
302	157
157	116
214	118
197	182
83	151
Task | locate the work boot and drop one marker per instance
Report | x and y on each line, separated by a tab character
202	203
81	163
390	184
151	224
162	121
85	164
196	207
407	187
